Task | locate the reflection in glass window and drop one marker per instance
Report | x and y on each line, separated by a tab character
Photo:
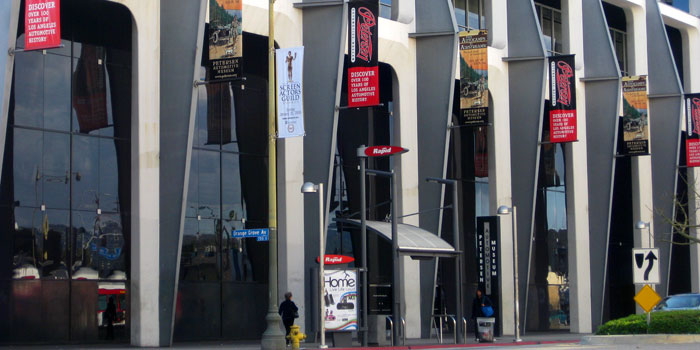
470	14
619	40
385	9
550	21
548	296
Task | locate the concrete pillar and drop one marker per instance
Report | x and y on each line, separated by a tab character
145	170
577	186
694	7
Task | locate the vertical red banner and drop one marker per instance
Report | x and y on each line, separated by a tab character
692	142
42	24
363	71
562	112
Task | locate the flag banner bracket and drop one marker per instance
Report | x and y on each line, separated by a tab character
682	167
302	5
11	51
452	126
630	155
552	143
198	83
339	108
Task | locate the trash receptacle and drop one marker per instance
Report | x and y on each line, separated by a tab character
485	327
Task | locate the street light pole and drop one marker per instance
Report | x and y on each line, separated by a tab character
272	338
364	327
309	187
504	210
458	258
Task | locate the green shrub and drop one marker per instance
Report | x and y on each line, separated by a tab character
662	322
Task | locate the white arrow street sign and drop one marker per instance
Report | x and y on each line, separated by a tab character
645	265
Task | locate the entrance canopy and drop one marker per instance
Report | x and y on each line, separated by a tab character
413	241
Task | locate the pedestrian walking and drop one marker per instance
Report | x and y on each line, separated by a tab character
289	311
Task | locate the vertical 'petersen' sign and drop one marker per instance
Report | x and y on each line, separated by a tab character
692	119
363	72
225	39
473	78
562	99
635	116
42	24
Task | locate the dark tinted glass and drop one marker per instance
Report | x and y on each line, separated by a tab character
200	251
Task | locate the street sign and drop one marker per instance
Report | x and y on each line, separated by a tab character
331	259
645	265
647	298
261	234
383	151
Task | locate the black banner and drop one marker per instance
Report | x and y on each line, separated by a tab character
692	120
225	39
488	252
635	116
473	78
562	99
363	69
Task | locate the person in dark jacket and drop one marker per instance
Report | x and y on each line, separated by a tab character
480	300
110	315
289	311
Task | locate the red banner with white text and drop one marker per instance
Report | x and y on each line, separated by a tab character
42	24
562	99
692	141
363	71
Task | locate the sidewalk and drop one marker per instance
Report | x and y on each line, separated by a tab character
529	339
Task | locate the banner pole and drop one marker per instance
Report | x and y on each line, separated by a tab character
272	338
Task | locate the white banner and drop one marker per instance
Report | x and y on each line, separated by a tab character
290	100
340	297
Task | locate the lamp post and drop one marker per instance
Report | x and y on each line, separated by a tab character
310	187
272	338
458	258
504	210
641	225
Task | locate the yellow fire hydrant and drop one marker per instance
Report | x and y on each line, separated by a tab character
295	336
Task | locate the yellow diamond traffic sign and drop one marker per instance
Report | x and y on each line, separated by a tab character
647	298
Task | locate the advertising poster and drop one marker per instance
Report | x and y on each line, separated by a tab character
473	78
635	116
290	101
692	124
562	99
487	256
42	24
225	38
340	297
90	89
363	71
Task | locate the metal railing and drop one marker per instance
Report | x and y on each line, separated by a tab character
464	329
438	325
403	330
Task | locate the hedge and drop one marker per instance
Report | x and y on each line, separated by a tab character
662	322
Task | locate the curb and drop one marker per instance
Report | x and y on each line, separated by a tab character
634	339
454	346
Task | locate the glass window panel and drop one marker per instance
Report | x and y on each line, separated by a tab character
209	169
109	174
118	95
474	14
234	206
229	131
57	93
200	261
236	263
90	90
193	189
461	12
86	172
56	170
26	155
110	255
29	89
85	232
547	28
26	243
558	37
385	9
208	120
